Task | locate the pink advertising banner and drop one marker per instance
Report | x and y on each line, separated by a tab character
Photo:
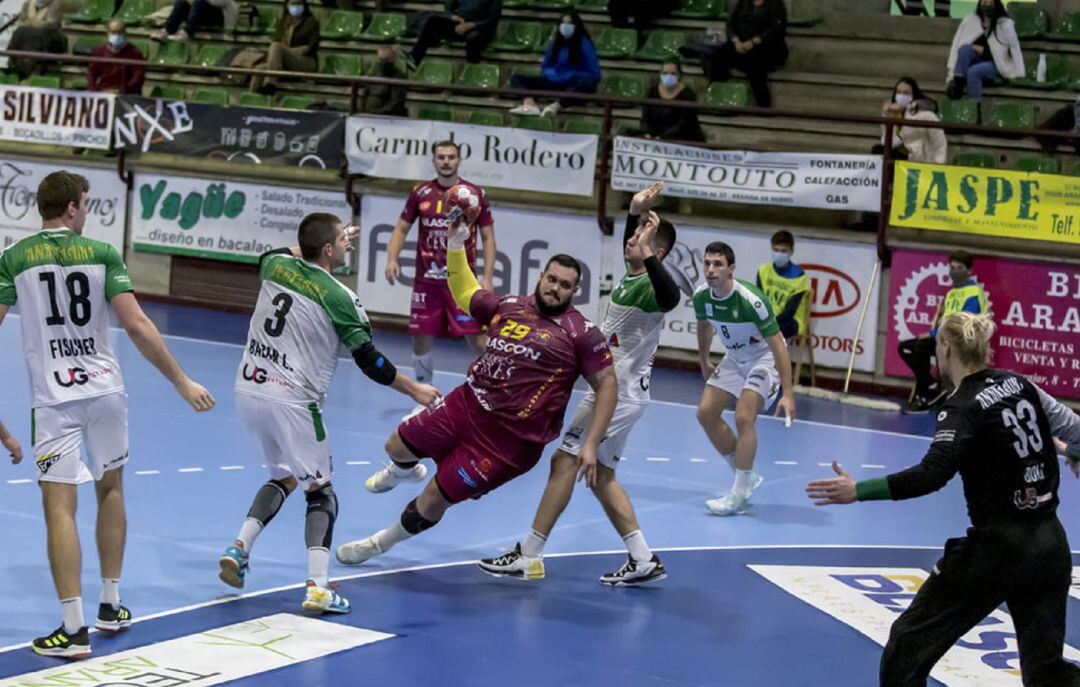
1035	305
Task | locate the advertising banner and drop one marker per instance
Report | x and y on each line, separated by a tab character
524	239
807	180
244	135
496	156
46	115
106	202
221	220
1036	307
991	202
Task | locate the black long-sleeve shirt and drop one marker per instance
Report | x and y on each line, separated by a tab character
484	13
767	21
997	431
667	292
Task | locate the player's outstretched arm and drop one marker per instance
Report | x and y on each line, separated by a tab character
380	370
147	339
606	386
779	349
11	444
459	276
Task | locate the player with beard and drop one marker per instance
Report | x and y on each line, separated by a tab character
493	427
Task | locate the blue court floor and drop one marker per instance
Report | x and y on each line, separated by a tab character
789	594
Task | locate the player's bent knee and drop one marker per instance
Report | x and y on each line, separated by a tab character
563	462
707	415
413	521
398	451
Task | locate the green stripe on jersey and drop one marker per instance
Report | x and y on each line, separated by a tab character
316	284
636	291
64	248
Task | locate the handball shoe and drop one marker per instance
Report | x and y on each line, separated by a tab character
385	479
634	573
356	552
234	565
324	600
728	504
62	644
514	564
111	619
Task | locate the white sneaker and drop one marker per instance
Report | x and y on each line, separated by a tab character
358	551
527	110
159	35
633	573
551	110
513	564
324	600
755	482
728	504
180	36
413	413
385	479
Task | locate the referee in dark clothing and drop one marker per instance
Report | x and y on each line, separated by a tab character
997	430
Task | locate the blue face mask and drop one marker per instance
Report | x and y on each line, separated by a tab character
116	40
296	10
567	30
781	260
669	80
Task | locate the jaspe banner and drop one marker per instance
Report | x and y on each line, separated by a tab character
244	135
993	202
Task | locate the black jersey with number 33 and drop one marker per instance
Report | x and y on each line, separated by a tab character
997	431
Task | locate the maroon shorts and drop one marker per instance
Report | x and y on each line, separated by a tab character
474	453
433	311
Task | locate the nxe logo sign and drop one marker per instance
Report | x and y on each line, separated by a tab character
145	127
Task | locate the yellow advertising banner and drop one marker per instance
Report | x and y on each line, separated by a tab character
993	202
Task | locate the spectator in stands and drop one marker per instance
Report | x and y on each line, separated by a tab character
471	21
38	31
786	286
1064	119
755	45
913	143
965	295
386	100
569	65
295	47
189	16
639	14
115	78
671	123
985	48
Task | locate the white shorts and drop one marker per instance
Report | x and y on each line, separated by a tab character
614	442
292	437
60	432
762	378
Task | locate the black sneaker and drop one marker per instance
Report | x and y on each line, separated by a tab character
111	619
63	645
514	564
633	573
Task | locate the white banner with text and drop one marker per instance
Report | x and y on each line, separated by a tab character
82	119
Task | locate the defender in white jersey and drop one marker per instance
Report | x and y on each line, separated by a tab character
64	284
632	325
756	367
304	316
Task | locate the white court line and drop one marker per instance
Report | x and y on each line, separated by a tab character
657	459
785	462
189	470
148	472
19	481
824	465
358	462
231	467
699	460
877	467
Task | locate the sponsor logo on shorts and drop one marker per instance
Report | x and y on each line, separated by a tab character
254	373
73	376
114	461
462	318
47	461
466	478
483	466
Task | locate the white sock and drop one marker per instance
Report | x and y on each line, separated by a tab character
72	611
533	546
635	544
423	368
399	471
318	565
729	458
110	593
248	532
394	534
741	488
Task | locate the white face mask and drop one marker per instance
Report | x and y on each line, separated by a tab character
567	30
781	260
669	80
116	40
296	10
903	99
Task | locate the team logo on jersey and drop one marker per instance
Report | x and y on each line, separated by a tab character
75	375
256	375
754	340
47	461
941	416
614	340
425	205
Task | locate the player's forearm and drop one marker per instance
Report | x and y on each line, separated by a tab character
1064	423
603	410
148	342
4	433
460	278
704	341
403	385
397	242
783	362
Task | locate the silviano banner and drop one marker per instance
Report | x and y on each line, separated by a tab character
82	119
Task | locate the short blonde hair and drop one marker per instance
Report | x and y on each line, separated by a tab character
970	335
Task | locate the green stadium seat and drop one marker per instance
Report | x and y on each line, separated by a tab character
730	93
435	71
984	160
93	12
1040	165
1076	170
959	111
296	102
385	27
1058	74
482	75
341	65
592	6
552	4
481	118
43	81
133	12
209	55
535	123
1068	28
661	46
624	86
519	36
9	78
211	96
168	92
583	125
438	114
172	52
1013	116
77	83
145	47
1031	21
249	99
616	44
343	25
701	9
84	45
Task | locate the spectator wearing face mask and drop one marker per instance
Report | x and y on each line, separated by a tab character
386	100
786	286
115	78
917	144
569	65
671	123
295	47
985	48
756	45
38	31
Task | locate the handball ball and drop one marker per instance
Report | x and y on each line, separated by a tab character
462	204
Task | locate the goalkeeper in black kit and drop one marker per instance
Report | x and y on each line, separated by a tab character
997	430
